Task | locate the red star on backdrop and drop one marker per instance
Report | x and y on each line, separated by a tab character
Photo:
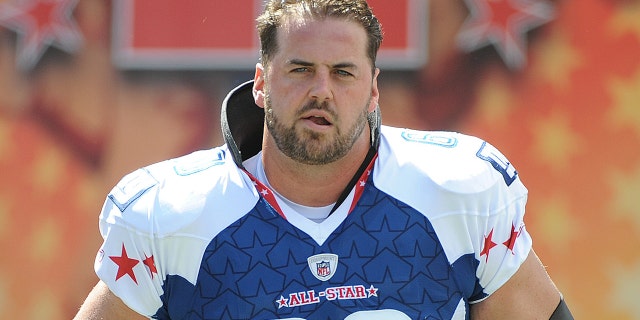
503	24
488	245
39	25
125	265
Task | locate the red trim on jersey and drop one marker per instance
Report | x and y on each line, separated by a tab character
266	193
362	182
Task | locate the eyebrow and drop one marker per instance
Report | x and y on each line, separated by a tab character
341	65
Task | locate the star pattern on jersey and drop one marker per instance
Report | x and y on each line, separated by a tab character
282	302
364	178
511	242
354	262
125	265
372	292
40	24
488	245
503	24
151	264
359	187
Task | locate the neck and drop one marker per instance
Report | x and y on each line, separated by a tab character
311	185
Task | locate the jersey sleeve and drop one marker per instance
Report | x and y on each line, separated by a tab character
502	242
127	259
157	222
484	219
472	196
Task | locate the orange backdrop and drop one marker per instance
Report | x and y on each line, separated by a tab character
569	120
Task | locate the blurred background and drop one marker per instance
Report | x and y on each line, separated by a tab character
93	89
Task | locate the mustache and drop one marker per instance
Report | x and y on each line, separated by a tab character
315	105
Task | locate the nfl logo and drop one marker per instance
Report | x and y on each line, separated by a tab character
323	266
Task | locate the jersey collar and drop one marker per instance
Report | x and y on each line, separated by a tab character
242	129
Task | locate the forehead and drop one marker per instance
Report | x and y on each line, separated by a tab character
323	37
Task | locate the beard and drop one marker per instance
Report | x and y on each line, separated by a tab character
309	147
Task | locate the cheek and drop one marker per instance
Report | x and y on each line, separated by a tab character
275	109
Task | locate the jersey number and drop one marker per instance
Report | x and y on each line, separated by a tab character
372	315
490	154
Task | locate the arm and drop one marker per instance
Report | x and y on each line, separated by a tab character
101	304
529	294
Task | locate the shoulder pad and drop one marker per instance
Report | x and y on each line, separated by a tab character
168	194
456	162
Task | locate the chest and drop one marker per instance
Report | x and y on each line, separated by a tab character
384	257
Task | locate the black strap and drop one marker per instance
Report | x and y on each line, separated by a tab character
562	312
345	193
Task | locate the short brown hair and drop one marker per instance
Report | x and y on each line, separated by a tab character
352	10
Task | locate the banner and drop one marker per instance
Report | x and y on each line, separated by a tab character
206	34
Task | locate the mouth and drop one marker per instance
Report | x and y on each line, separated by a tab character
321	121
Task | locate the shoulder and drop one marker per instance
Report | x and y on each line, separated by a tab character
165	196
450	159
446	168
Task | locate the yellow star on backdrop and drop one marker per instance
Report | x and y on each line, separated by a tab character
89	193
45	304
555	59
626	194
626	105
626	18
48	169
554	224
626	289
45	239
555	143
495	100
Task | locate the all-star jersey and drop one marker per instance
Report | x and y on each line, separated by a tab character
434	224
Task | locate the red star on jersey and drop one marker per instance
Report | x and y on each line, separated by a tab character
125	265
151	264
372	292
511	242
40	24
488	245
503	23
282	302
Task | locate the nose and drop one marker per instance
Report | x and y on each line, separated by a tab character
321	87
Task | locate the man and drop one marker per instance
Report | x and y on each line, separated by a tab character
324	213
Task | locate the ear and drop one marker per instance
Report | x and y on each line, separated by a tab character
375	93
258	85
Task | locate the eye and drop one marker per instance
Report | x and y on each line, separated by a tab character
300	70
343	73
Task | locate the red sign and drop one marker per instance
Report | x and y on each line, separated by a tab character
220	34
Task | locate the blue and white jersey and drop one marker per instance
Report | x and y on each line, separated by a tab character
434	225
